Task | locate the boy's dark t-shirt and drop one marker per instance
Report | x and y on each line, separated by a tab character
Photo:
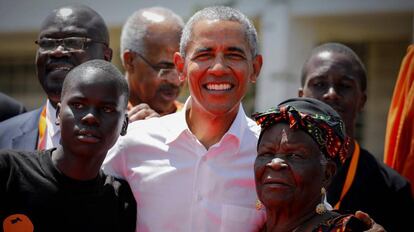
32	187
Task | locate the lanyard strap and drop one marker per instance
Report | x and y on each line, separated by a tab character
41	144
351	174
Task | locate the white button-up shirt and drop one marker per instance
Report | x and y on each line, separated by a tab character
52	130
181	186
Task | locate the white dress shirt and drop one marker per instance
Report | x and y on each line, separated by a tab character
181	186
52	130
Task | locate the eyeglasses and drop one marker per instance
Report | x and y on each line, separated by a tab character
70	43
162	71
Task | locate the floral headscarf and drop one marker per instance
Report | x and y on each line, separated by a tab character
315	118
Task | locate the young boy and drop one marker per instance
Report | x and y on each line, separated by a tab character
64	189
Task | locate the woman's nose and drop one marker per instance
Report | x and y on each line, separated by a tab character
277	163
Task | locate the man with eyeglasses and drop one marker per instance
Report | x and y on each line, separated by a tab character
69	36
149	39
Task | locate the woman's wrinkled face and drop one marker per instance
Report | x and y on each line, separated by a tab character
289	169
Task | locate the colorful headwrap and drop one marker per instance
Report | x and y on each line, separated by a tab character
314	117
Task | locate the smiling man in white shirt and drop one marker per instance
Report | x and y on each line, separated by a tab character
193	170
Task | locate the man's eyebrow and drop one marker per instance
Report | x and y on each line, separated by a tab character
350	77
199	50
236	49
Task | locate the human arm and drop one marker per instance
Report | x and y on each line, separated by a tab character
114	161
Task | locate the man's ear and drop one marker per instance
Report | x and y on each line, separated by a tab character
300	92
58	108
108	54
257	66
128	63
179	63
125	125
362	101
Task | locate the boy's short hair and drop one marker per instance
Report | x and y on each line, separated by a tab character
103	66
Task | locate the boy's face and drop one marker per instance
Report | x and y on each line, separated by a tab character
91	115
333	78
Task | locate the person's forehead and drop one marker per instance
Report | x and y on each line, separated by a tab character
90	79
332	62
169	32
162	35
68	21
282	130
215	32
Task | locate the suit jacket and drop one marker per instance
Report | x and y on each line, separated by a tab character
20	132
9	107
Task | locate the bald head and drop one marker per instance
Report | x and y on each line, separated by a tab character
80	16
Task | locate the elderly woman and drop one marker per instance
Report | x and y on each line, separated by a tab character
301	144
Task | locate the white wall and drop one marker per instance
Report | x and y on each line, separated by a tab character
22	15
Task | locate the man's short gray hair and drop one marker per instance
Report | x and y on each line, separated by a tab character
220	13
135	28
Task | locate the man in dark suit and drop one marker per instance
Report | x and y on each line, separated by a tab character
9	107
69	36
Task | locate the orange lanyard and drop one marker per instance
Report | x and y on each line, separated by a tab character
351	174
41	144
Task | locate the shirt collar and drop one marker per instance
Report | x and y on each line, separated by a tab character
179	121
52	128
239	125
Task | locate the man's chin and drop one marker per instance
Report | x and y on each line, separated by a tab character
57	74
166	108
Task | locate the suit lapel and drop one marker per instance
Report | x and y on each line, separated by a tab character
29	131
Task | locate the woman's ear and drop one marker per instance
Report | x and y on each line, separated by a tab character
125	125
300	92
330	171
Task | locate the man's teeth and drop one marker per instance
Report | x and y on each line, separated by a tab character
218	86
